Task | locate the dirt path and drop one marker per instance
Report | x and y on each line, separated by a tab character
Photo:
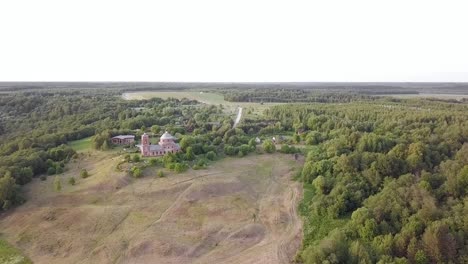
238	117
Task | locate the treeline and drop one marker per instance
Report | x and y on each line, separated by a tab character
295	95
385	183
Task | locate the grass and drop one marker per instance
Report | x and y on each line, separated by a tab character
81	145
250	109
140	211
11	255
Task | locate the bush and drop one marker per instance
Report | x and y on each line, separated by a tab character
84	173
57	184
59	170
136	158
71	181
211	155
289	149
180	167
51	171
160	174
153	161
269	146
43	177
136	172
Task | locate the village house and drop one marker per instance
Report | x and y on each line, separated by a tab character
123	140
166	145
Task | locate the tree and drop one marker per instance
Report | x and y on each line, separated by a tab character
252	143
57	184
155	129
269	146
189	154
7	191
439	243
320	184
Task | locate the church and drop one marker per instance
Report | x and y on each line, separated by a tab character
166	145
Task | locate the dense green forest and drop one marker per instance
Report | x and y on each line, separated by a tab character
385	182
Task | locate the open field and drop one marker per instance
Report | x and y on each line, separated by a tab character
81	145
207	98
239	210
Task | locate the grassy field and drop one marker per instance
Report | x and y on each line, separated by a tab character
81	145
207	98
239	210
11	255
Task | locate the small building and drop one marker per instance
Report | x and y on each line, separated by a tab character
123	140
166	145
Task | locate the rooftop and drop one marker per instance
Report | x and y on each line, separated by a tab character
124	136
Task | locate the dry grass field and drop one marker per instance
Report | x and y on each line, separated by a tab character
240	210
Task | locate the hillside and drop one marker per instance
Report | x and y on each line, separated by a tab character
240	210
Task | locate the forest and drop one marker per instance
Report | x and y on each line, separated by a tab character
385	180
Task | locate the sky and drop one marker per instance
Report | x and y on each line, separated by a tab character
234	41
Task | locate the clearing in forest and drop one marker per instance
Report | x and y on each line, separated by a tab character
239	210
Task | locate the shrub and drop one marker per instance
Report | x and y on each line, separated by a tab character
59	170
180	167
153	161
57	184
84	173
211	155
71	181
136	172
269	146
160	174
136	158
51	171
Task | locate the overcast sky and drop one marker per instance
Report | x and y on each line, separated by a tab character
198	40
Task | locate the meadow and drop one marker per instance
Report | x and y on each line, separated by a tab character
237	211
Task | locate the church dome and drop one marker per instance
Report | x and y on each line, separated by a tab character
166	135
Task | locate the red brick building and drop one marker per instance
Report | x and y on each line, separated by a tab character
166	145
123	140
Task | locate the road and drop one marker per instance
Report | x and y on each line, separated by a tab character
239	116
